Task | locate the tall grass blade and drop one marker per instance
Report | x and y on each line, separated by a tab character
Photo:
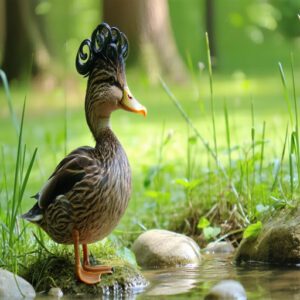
296	119
278	166
253	143
286	94
228	137
207	147
262	150
212	105
65	126
291	169
9	100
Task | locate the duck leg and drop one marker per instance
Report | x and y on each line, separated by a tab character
96	269
83	275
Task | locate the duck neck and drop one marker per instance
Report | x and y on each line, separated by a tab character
102	126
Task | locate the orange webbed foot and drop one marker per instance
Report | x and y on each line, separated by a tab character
88	277
98	269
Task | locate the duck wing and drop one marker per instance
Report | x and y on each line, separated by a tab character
69	171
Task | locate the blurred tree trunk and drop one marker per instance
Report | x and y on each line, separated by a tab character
210	28
147	26
2	27
24	50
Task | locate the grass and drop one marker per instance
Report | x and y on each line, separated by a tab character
56	269
231	159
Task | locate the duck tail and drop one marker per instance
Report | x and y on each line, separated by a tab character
35	214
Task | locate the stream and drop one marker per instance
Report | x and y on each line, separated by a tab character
260	281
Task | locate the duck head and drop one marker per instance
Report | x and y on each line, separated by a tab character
102	59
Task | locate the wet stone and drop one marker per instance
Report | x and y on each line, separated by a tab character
227	290
55	292
219	247
14	287
160	248
277	243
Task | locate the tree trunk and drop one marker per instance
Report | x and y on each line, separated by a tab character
24	51
147	26
210	28
2	27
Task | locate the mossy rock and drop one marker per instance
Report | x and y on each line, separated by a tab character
277	243
58	271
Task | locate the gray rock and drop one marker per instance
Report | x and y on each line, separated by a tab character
227	290
14	287
219	247
160	248
278	242
55	292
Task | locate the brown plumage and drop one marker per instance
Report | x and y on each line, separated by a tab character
87	194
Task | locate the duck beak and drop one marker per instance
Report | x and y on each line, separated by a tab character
129	103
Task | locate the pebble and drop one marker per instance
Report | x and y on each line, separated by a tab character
219	247
227	290
55	292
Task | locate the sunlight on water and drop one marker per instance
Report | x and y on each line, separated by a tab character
260	281
194	282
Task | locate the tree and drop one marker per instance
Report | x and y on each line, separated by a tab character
24	49
210	27
147	26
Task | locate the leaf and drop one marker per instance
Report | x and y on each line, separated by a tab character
253	230
211	232
203	223
182	181
127	255
150	174
190	185
194	183
160	197
192	140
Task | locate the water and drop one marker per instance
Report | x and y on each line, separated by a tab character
260	281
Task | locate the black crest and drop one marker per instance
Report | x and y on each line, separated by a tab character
106	42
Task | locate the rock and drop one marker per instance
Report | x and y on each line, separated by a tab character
14	287
219	247
55	292
227	290
277	243
159	248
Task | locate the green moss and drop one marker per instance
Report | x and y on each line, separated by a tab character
57	270
278	242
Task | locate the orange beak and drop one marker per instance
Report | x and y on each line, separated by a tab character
129	103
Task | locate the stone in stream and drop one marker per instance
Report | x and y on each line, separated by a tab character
227	290
277	243
14	287
160	248
219	247
55	292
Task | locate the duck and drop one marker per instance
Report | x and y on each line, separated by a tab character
88	192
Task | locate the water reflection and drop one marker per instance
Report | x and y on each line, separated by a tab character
172	281
260	281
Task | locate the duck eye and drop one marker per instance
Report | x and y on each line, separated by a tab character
111	80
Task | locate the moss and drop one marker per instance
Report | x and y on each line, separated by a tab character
57	270
277	243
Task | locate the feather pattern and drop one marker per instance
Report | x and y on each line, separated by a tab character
90	188
88	191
